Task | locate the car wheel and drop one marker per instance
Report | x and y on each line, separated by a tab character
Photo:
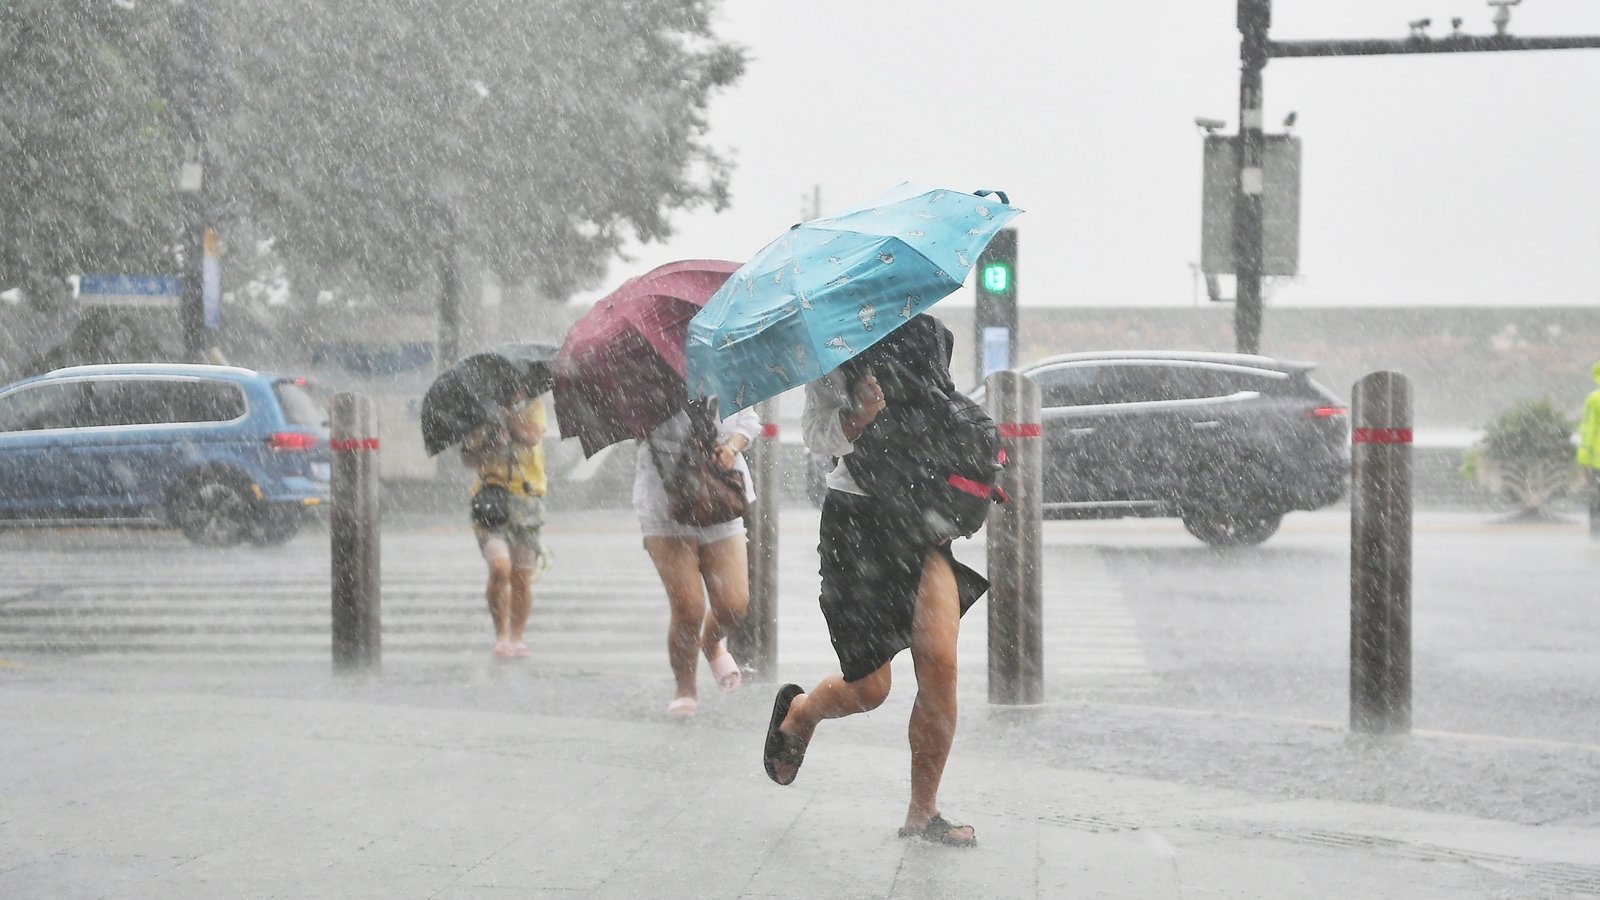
275	524
1240	528
213	510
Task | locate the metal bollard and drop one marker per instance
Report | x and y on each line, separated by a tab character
354	521
1016	581
1380	556
755	644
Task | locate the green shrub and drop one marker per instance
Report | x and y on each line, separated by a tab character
1526	455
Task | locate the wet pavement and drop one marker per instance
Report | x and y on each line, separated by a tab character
128	794
172	729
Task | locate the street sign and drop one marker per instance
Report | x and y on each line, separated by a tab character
1279	187
147	291
996	349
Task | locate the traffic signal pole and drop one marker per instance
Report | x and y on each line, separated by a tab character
1255	49
1464	43
1255	17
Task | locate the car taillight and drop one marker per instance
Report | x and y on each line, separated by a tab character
1326	412
292	441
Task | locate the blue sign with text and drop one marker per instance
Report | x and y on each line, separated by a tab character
129	290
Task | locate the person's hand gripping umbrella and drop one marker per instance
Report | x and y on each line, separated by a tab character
471	393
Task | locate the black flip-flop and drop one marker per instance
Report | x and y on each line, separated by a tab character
941	831
782	748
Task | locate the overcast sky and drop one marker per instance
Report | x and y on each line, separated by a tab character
1472	178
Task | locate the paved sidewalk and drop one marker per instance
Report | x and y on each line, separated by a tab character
118	792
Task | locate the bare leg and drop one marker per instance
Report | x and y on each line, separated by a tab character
521	602
725	567
677	561
498	595
934	630
833	698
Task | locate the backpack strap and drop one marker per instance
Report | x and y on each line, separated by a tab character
968	486
978	489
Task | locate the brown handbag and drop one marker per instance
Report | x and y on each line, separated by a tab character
698	491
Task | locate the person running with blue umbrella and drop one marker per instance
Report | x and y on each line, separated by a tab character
837	304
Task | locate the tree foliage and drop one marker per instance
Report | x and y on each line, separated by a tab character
88	148
365	135
536	137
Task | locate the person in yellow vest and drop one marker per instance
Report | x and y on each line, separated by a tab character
508	513
1589	451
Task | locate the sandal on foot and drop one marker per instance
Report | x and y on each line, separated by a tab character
682	706
783	749
940	830
726	670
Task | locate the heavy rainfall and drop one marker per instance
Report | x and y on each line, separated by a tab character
671	448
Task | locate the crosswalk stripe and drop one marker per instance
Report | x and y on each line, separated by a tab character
601	609
1090	636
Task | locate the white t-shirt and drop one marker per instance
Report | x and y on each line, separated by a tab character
650	495
824	432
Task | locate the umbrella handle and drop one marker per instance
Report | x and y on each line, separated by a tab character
1000	194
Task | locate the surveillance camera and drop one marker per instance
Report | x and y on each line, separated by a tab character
1502	14
1419	24
1210	124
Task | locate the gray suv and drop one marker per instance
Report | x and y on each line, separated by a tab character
1227	442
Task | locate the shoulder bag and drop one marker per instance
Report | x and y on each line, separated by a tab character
699	492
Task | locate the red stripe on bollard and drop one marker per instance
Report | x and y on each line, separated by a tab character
769	430
1381	436
355	444
1019	429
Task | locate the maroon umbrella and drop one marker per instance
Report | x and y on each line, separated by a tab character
620	370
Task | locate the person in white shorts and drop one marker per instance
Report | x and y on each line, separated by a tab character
696	562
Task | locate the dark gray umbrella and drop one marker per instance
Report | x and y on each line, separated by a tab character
471	393
535	363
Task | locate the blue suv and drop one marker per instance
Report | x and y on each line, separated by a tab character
225	454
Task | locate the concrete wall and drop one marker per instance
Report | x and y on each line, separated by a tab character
1467	365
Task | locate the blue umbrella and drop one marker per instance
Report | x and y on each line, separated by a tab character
830	288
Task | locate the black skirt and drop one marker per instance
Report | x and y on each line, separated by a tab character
871	569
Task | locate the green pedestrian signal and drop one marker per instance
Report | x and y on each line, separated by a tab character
996	277
994	317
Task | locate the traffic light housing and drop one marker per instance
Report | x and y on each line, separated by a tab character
996	305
